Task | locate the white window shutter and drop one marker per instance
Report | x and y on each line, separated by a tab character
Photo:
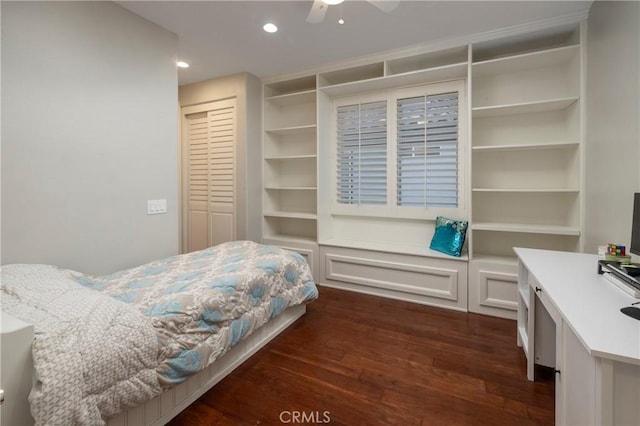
362	153
427	151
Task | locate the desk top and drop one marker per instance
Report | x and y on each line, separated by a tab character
588	303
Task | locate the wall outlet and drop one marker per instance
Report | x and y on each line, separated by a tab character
156	206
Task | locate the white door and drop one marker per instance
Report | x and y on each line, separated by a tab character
209	139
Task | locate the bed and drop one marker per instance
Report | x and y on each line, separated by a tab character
139	345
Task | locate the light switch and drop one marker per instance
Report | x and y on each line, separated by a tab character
156	206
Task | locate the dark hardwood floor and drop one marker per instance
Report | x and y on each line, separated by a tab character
362	360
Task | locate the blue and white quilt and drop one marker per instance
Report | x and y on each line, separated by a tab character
203	303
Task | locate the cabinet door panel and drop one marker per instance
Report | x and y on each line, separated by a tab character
221	228
197	230
493	288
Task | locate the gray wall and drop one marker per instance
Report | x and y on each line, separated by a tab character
613	121
89	134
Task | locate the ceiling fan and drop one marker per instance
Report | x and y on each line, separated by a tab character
319	8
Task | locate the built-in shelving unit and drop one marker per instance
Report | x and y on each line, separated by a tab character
289	207
526	142
556	104
526	146
526	151
522	171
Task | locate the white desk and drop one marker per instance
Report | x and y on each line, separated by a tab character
569	318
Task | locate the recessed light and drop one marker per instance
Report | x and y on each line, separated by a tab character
332	2
270	28
182	64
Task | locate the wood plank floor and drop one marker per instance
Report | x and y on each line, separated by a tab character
362	360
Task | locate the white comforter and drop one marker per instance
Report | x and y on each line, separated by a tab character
78	381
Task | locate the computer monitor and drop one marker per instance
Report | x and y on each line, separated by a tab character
635	227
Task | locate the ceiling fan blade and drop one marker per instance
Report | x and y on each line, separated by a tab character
385	5
317	12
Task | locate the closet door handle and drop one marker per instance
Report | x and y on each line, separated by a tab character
538	290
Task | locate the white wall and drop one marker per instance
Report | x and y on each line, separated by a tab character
89	134
613	121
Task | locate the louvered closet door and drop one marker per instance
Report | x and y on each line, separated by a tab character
222	137
211	139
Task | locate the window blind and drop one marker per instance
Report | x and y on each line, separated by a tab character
362	153
427	151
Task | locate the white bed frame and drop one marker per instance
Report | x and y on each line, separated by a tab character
16	382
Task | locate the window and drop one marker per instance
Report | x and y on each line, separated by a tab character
398	152
427	150
362	153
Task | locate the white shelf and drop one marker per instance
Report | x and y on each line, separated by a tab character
427	60
526	61
534	41
290	237
527	228
291	157
351	75
501	244
524	107
292	215
275	89
294	130
525	147
527	190
290	188
292	98
554	130
431	75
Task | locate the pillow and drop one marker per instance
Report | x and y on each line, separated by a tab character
449	236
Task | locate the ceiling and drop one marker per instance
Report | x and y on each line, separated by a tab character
219	38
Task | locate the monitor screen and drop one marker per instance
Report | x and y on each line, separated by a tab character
635	227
